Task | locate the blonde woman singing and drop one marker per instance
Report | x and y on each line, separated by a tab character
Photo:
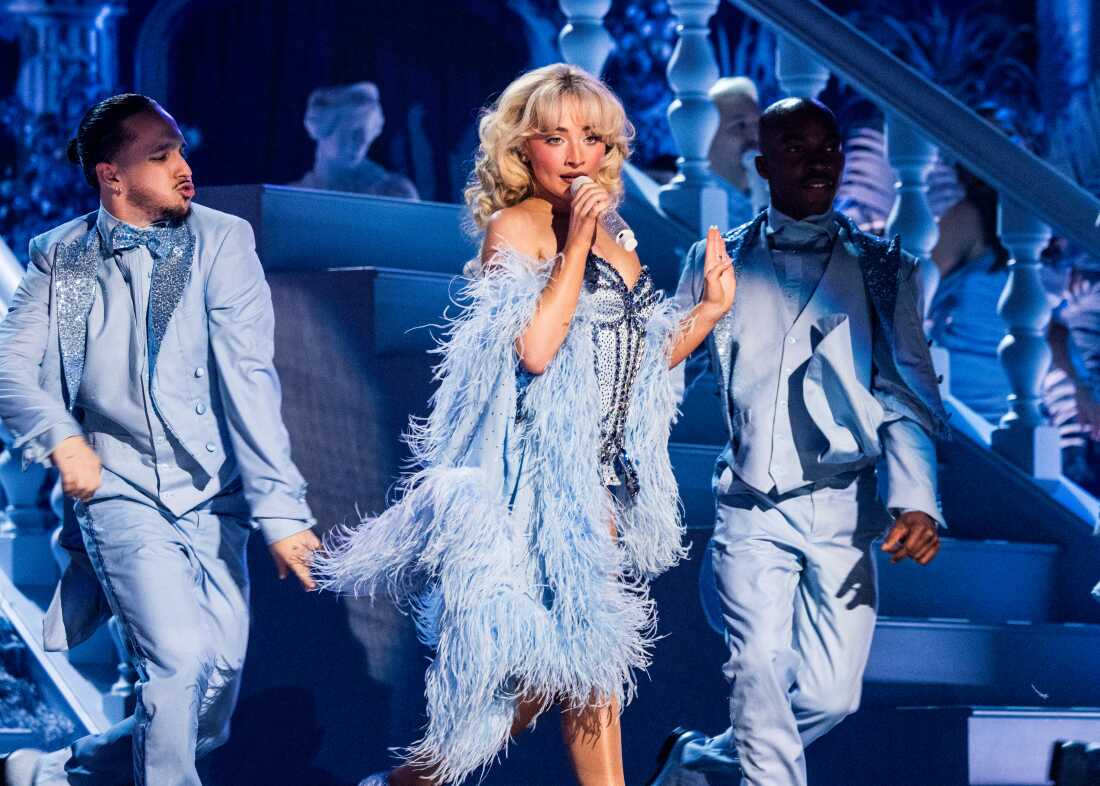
545	500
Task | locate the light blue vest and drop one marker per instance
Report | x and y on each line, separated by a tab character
788	381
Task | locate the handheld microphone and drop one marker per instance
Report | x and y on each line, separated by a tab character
610	220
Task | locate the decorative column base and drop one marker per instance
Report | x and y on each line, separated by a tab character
25	556
697	208
1037	451
26	523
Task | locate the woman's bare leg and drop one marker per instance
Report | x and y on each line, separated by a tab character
593	738
407	775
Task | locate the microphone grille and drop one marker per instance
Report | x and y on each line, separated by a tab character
579	181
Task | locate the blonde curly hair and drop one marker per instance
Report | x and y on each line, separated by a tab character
531	105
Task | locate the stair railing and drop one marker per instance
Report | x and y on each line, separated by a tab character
922	118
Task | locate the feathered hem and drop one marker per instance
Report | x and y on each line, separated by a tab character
450	552
541	603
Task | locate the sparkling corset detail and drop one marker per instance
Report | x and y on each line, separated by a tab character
618	331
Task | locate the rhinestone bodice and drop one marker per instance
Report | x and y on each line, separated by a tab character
620	317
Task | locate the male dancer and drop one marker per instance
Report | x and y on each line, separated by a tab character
137	359
823	372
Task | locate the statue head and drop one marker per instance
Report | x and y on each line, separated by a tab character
344	121
739	118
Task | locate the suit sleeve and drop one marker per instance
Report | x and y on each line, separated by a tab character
242	338
688	292
36	420
907	468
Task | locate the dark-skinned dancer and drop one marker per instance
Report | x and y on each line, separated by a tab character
832	407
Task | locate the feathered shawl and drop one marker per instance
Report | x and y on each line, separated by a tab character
501	542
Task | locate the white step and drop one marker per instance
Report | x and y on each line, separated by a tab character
948	746
951	661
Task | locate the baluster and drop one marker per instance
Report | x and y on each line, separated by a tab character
799	73
120	701
912	156
63	44
1023	435
691	196
26	522
584	41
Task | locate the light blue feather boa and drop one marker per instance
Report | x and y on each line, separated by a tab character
546	607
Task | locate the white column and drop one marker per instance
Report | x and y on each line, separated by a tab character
1023	435
691	197
800	74
65	47
584	41
912	155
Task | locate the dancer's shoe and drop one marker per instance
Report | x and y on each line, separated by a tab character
668	758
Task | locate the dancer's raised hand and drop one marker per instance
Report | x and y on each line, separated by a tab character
719	281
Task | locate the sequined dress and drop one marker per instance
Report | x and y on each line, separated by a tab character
618	330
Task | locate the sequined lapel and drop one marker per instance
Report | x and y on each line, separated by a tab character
74	279
170	276
880	262
738	242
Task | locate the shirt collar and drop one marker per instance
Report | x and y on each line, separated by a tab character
105	223
779	222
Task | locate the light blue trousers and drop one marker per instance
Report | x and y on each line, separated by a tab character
179	589
795	588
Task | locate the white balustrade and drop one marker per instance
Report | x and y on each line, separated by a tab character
799	72
584	40
912	156
691	196
1023	436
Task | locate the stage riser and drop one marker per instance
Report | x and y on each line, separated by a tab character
954	746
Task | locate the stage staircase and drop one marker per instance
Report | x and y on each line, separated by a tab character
980	661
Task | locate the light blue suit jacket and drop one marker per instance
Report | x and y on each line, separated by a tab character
216	347
904	383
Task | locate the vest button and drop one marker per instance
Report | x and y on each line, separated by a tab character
211	447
